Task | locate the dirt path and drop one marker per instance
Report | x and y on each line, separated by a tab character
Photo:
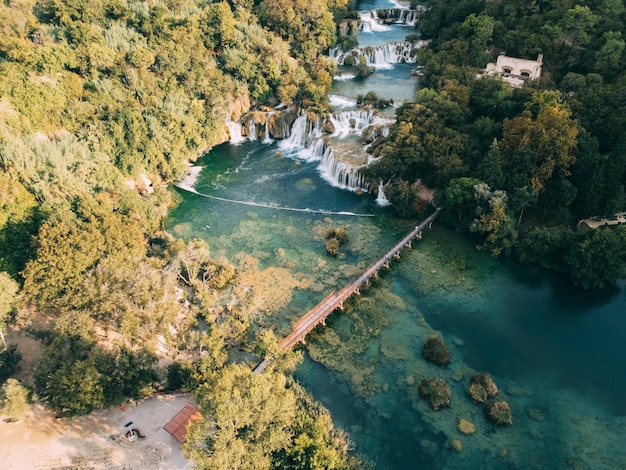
41	442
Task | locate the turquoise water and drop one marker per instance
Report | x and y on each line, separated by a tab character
548	346
556	353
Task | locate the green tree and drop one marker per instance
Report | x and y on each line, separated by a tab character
577	25
597	257
489	169
245	419
550	137
497	225
14	398
9	362
459	202
8	299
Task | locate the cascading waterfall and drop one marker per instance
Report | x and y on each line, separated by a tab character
351	122
337	101
267	139
370	23
381	199
383	56
251	130
305	141
341	174
234	129
354	122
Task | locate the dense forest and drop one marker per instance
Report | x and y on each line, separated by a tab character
105	103
520	167
102	104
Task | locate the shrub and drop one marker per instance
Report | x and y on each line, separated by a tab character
500	413
436	391
332	247
9	360
435	350
371	97
482	387
339	233
336	237
14	399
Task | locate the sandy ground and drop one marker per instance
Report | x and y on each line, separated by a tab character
95	442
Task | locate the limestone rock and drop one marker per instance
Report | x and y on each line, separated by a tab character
456	445
465	427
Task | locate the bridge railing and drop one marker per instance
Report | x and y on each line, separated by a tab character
335	299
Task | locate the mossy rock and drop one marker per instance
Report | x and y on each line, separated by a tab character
436	391
436	351
500	413
482	387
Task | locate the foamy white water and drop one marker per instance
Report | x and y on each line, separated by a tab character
337	101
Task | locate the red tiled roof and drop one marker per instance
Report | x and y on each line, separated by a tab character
177	426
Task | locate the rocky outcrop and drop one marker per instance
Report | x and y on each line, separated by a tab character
280	122
239	107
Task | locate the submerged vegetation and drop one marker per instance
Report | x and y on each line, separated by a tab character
335	239
482	387
436	391
436	351
500	413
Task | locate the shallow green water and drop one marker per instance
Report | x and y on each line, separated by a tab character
551	349
547	345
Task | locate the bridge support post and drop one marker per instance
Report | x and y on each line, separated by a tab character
397	255
323	321
419	235
430	225
408	245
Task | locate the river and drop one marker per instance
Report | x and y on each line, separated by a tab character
556	353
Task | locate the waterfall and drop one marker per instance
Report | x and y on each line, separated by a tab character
351	122
305	141
401	16
337	101
234	130
369	22
381	57
251	130
267	139
381	199
340	174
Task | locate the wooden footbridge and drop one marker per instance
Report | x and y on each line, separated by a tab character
335	299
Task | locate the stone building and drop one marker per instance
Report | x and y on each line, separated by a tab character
515	71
